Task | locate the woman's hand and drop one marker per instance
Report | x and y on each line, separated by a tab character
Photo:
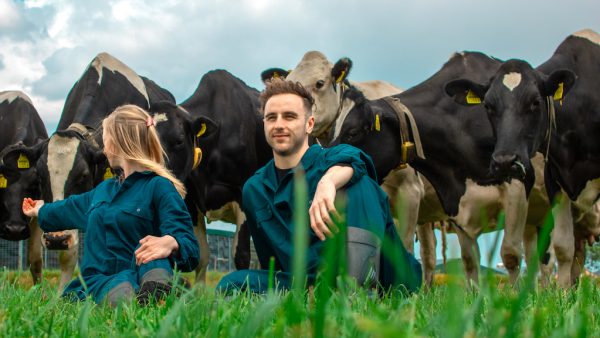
152	247
30	207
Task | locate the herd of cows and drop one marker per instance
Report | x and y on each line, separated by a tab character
478	138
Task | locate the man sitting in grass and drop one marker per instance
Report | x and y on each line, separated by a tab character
375	254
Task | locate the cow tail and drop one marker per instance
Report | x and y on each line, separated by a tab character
444	243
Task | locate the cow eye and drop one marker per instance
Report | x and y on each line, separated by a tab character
534	105
351	135
319	84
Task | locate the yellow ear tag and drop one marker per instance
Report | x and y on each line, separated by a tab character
377	125
197	157
341	77
202	130
275	75
108	174
23	162
472	98
558	94
3	182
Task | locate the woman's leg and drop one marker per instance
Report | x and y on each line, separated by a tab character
155	278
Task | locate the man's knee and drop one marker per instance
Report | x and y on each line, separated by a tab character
363	252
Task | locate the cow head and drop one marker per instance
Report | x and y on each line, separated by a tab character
66	164
16	182
183	137
324	81
363	128
520	102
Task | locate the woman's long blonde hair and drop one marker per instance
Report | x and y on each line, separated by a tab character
133	136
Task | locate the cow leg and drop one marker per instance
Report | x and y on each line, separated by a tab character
200	232
578	259
469	250
515	206
67	260
530	241
564	240
34	251
240	248
405	191
428	254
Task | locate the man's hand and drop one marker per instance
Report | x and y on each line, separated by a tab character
30	207
152	247
322	206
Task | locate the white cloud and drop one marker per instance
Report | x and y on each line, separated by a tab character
9	15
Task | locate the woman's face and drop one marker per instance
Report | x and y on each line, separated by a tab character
109	151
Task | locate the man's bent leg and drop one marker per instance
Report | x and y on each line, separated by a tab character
256	281
363	252
368	209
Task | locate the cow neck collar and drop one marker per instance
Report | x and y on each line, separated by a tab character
410	150
551	124
87	133
324	135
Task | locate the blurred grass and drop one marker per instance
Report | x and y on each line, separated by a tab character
447	310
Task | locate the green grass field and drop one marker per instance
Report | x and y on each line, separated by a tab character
448	310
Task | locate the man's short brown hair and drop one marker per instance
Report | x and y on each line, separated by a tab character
279	86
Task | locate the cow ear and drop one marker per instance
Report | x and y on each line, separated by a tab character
203	127
341	69
161	107
465	92
19	156
273	73
559	83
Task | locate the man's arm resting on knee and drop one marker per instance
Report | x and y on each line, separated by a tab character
322	205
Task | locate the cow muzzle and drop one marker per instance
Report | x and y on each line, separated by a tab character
57	241
507	166
14	231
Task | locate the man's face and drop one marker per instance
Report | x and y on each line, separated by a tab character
286	125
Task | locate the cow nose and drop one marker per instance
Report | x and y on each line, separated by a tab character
56	242
501	163
15	231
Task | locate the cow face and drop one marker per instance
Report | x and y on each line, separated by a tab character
323	80
519	102
182	137
65	165
15	185
374	132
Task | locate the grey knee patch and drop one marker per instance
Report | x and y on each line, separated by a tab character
158	275
364	249
123	292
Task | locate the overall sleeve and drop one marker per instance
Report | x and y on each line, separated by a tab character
174	220
70	213
356	158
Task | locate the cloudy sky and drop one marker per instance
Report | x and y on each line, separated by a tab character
46	45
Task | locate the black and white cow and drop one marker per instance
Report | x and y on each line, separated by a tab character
531	112
457	142
237	150
20	125
71	161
